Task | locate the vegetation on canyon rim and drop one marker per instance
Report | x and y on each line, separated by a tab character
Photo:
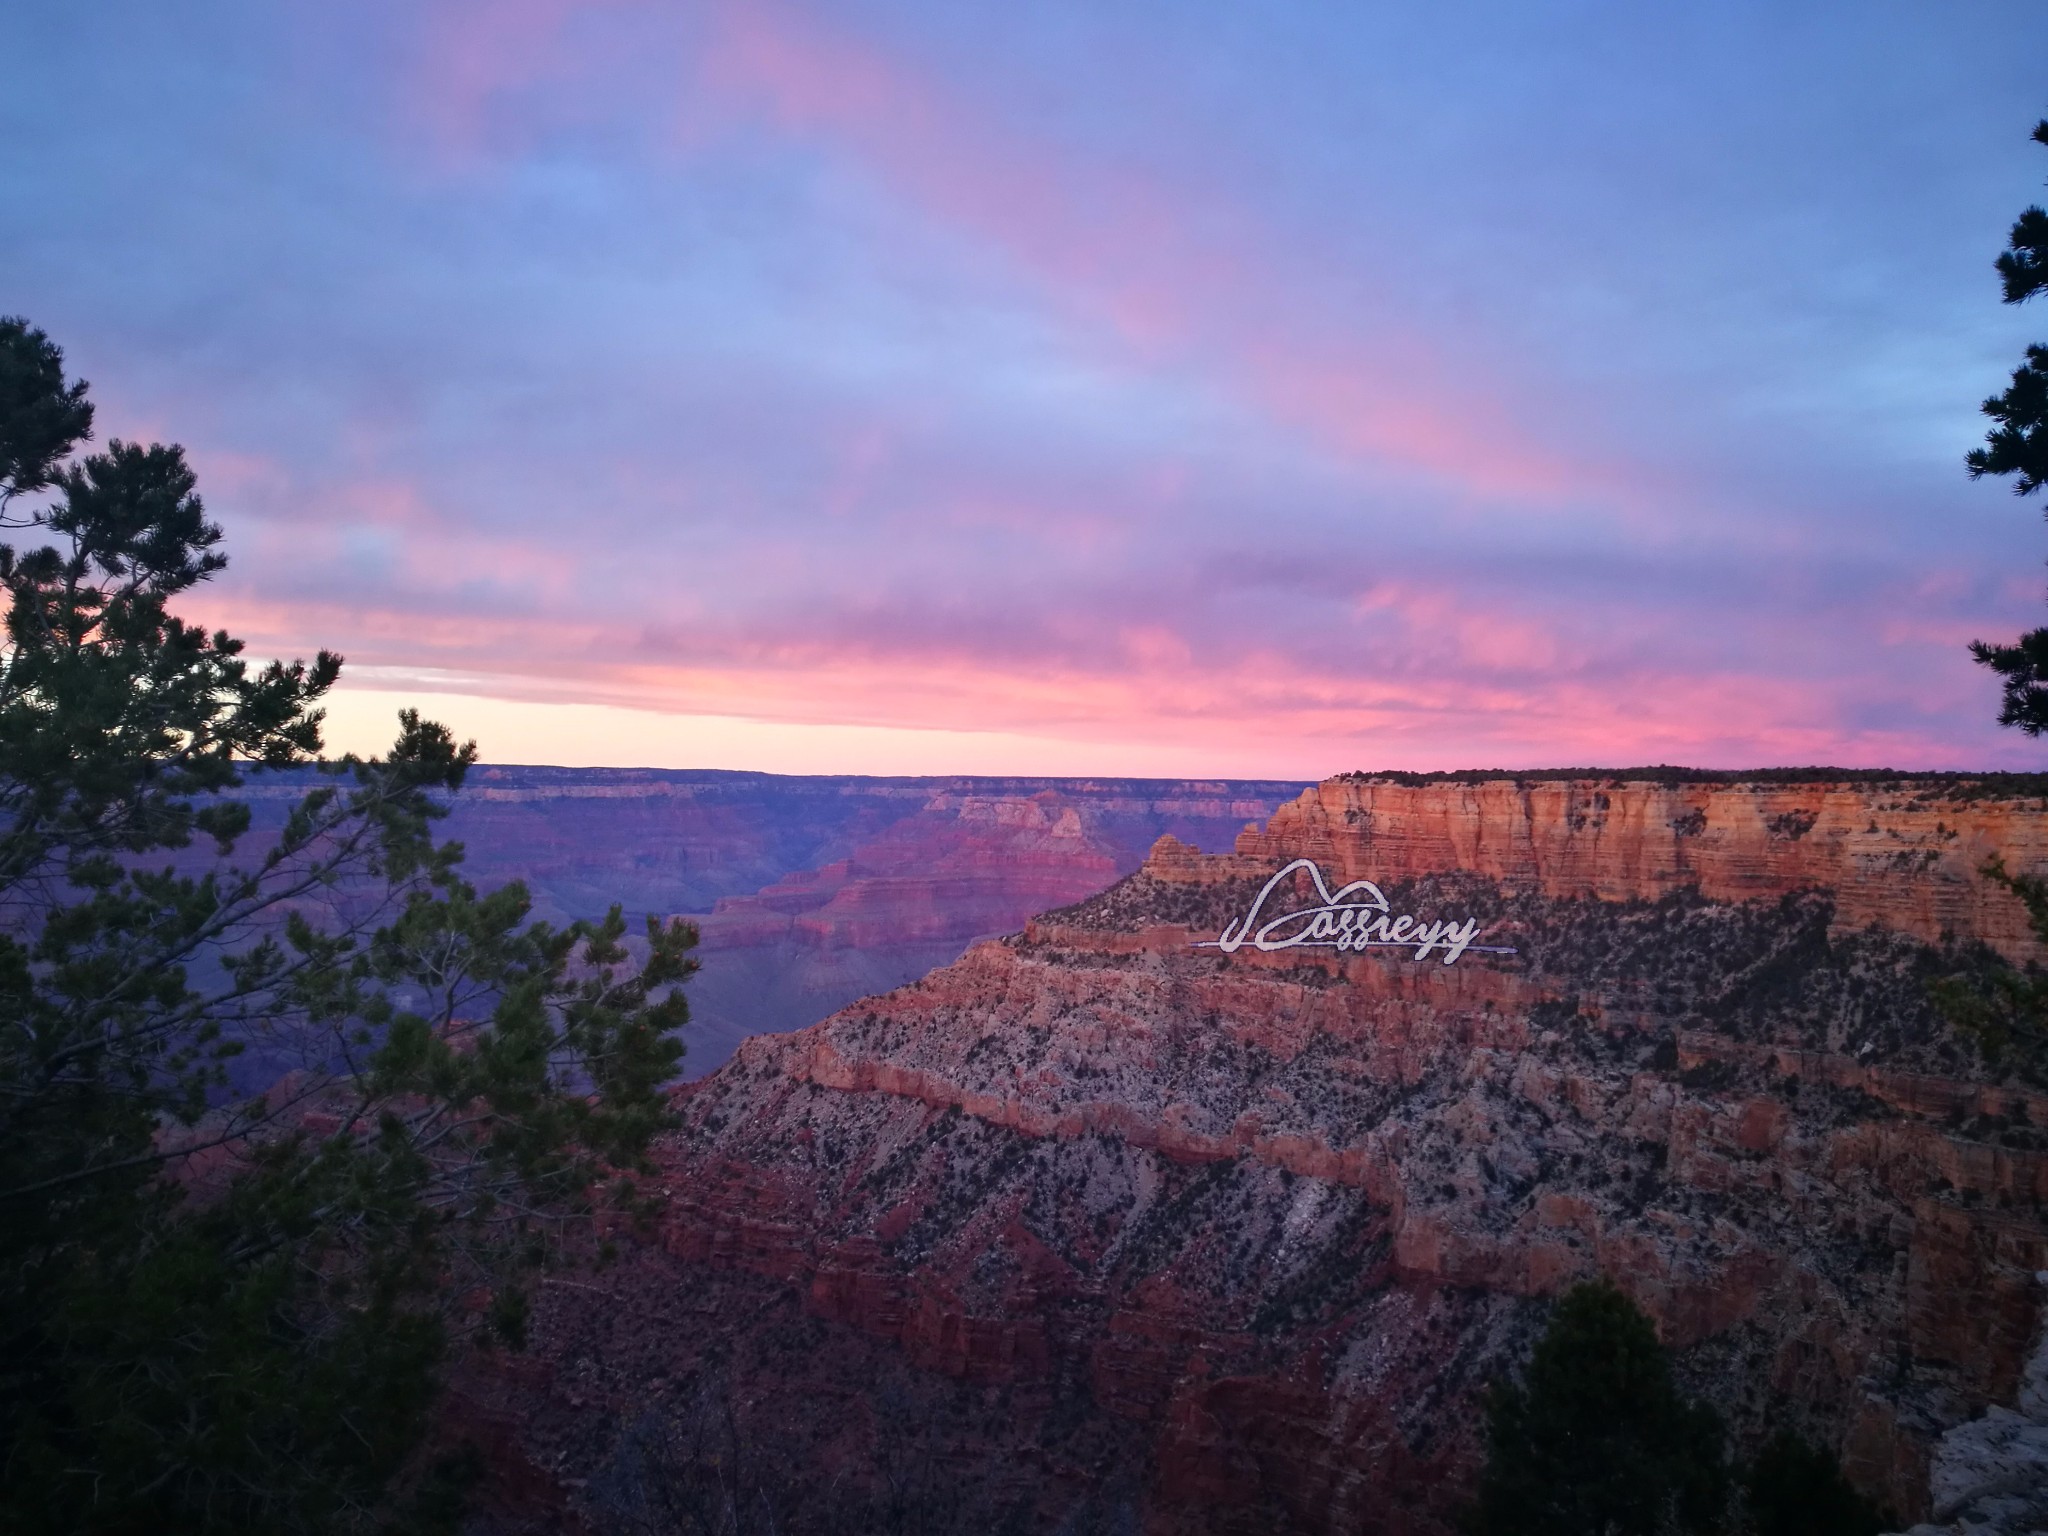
274	1131
1596	1440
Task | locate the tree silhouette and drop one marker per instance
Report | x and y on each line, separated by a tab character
2017	445
1595	1439
224	1301
1797	1489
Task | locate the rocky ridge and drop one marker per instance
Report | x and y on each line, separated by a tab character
1990	1475
1244	1235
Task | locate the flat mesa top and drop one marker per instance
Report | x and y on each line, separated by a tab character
1668	774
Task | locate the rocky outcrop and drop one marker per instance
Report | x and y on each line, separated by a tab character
1245	1234
1990	1476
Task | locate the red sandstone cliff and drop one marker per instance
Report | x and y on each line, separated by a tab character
1904	855
1245	1234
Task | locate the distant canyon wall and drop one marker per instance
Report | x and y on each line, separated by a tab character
813	891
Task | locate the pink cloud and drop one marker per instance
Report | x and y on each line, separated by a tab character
1481	635
470	58
1395	413
1424	673
833	619
1161	278
1154	690
1123	248
1088	234
419	550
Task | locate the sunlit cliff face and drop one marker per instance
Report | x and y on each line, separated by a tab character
824	387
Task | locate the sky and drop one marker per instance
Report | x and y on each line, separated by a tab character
1169	388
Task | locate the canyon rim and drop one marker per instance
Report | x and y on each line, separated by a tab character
1094	1228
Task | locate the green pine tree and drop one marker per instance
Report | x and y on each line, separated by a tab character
1797	1489
222	1311
2004	1007
2017	445
1595	1439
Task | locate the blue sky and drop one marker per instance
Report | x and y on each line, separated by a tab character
1069	388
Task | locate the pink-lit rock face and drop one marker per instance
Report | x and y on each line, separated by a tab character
1905	855
1244	1236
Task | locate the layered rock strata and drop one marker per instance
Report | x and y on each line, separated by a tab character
1903	854
1245	1234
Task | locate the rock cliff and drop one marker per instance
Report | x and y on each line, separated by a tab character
1990	1475
1901	853
1232	1241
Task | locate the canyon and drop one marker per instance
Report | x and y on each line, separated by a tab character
1093	1228
809	892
